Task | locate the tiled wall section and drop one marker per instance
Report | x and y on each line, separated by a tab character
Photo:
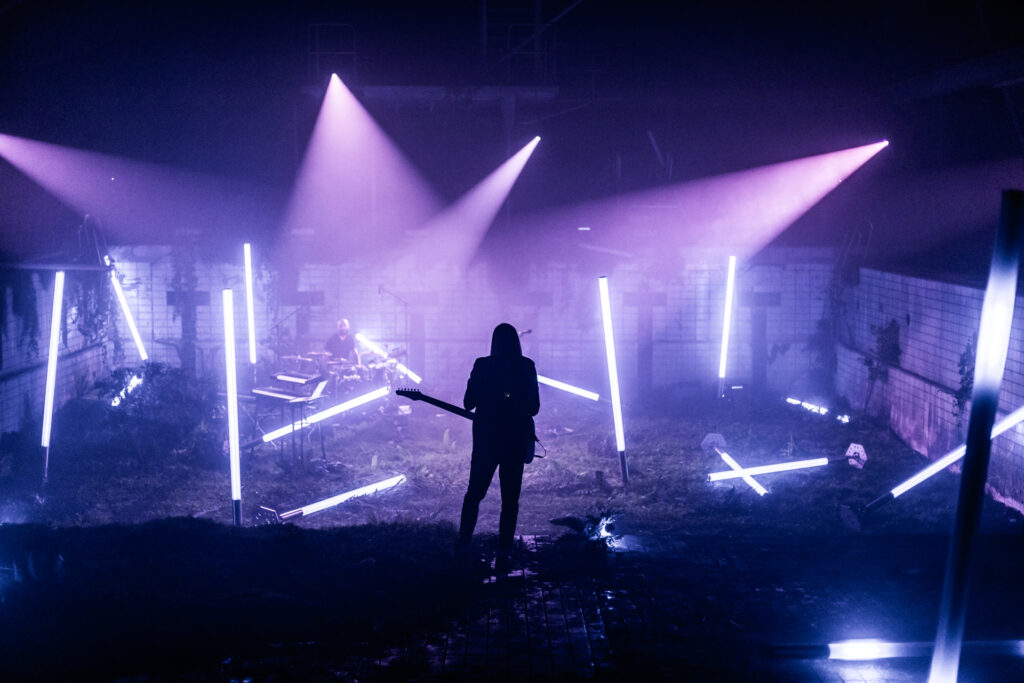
936	322
667	331
23	369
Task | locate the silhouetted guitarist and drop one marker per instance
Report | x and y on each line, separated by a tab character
503	390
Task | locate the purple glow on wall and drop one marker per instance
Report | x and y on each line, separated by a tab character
453	235
136	200
355	192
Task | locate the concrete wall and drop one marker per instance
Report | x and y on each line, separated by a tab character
23	370
668	331
936	323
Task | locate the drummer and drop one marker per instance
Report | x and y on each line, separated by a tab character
342	346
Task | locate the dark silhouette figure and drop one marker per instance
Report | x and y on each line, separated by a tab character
503	390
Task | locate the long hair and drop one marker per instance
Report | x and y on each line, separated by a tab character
505	341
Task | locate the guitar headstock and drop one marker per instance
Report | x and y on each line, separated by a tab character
414	394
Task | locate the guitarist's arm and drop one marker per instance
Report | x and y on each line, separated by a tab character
532	392
471	400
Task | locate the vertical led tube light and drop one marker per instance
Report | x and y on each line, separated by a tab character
232	390
51	366
250	306
613	377
124	308
726	325
993	344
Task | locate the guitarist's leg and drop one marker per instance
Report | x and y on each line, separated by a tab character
510	476
481	471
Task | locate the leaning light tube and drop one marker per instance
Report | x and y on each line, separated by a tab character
124	308
51	366
342	497
381	352
613	376
726	324
250	306
768	469
568	387
324	414
750	481
232	390
1001	427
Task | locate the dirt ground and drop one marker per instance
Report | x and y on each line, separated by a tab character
93	479
132	552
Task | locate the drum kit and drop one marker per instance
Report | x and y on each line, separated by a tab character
347	377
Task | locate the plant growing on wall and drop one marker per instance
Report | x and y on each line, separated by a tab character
171	417
24	307
184	282
965	367
822	347
887	355
90	304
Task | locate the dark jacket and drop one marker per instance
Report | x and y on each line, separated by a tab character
503	390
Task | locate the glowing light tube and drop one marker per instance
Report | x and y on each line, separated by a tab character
567	387
871	648
342	497
324	414
751	482
232	387
768	469
129	388
360	337
51	361
727	323
124	308
613	376
1001	427
250	306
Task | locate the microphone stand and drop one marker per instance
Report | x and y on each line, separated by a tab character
276	329
381	289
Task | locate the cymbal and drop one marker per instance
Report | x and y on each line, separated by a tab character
318	354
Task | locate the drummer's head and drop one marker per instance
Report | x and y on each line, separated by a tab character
343	327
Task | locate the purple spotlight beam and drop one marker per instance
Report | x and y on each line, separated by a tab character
454	235
993	342
355	189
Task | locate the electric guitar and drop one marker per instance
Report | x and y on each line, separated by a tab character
417	395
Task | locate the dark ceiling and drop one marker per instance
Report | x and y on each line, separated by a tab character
625	96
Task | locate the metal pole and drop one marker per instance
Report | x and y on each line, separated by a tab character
993	340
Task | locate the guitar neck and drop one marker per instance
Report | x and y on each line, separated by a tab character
444	405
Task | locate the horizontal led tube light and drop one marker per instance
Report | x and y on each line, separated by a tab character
324	414
127	311
768	469
746	477
1002	426
567	387
342	497
360	337
868	649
